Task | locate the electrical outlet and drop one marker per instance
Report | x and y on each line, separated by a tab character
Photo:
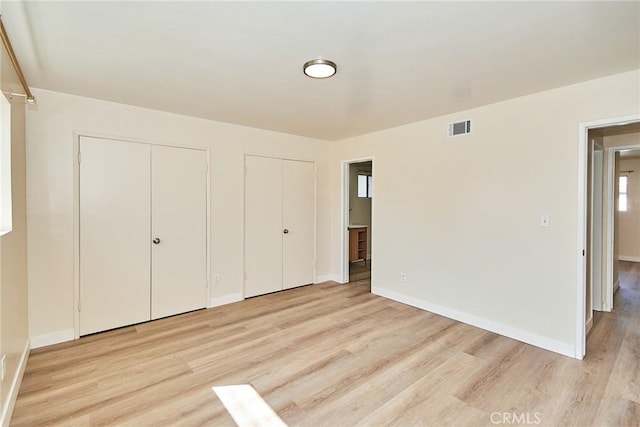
403	277
216	279
3	362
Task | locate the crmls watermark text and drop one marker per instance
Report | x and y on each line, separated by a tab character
515	418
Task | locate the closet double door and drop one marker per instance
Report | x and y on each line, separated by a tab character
143	225
279	224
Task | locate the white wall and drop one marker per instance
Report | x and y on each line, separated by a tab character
468	234
629	221
14	330
50	185
622	140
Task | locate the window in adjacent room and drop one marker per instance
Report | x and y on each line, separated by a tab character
623	182
6	220
365	186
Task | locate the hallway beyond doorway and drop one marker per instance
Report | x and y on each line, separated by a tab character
360	272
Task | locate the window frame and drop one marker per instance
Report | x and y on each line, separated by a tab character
6	208
368	186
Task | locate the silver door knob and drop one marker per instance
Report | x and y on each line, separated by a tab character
156	240
286	231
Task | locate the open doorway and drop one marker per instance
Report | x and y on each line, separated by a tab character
359	225
607	194
358	194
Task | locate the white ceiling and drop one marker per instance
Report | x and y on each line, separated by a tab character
241	62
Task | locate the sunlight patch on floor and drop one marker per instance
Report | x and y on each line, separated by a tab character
246	407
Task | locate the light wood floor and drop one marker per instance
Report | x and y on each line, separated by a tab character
360	272
335	355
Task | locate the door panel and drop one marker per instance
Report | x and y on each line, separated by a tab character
298	213
263	225
114	234
179	207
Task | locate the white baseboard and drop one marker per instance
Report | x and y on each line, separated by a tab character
628	258
54	338
9	404
225	299
328	278
489	325
616	286
589	324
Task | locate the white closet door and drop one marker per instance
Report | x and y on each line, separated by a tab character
263	226
298	217
179	208
114	234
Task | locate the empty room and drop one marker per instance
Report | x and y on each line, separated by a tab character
331	213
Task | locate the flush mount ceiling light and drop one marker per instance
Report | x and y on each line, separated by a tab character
319	68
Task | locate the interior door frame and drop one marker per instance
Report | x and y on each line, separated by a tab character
76	211
597	189
243	210
583	146
344	208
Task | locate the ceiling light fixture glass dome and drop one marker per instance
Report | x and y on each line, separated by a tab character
319	68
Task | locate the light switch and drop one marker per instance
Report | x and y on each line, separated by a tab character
544	221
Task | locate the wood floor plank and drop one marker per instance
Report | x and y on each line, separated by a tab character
372	394
335	355
625	378
616	412
418	404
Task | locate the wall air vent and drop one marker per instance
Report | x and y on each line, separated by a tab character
460	128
